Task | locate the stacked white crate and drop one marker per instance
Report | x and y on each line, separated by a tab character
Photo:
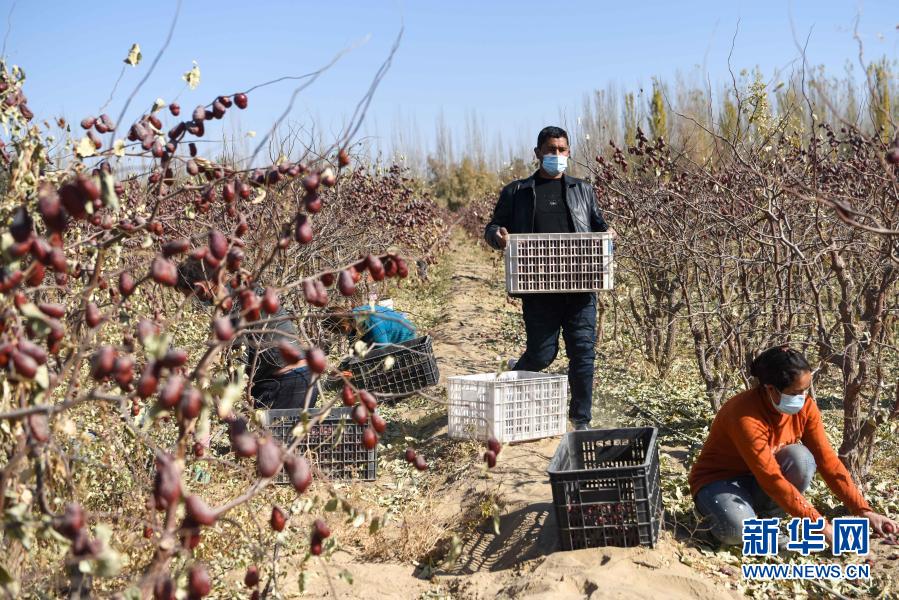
513	406
546	263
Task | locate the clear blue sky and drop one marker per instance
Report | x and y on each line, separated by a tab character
516	63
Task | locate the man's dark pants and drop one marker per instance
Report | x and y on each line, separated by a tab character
575	315
287	390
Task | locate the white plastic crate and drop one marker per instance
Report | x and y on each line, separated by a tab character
559	262
512	406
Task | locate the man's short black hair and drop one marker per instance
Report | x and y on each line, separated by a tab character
549	133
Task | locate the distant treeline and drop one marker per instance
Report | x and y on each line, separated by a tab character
694	120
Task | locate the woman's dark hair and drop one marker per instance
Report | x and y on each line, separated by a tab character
190	272
779	366
338	316
550	132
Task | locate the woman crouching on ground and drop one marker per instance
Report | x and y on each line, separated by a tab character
762	452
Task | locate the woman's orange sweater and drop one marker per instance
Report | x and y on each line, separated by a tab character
745	435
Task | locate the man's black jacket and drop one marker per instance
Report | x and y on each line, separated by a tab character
515	208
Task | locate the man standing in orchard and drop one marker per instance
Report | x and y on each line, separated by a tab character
550	201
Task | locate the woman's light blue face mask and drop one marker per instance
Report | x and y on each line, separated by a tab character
790	404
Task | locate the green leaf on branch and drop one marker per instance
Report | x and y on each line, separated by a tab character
231	395
17	511
203	427
42	377
132	593
157	345
6	241
134	56
192	77
107	191
109	562
85	148
8	583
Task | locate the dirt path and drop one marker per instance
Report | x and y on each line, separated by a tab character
478	327
473	334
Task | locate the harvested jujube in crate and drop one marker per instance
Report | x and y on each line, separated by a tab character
607	524
606	489
332	446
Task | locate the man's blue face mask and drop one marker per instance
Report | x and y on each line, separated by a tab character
554	164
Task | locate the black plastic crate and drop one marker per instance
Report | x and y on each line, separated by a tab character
333	446
606	489
414	368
